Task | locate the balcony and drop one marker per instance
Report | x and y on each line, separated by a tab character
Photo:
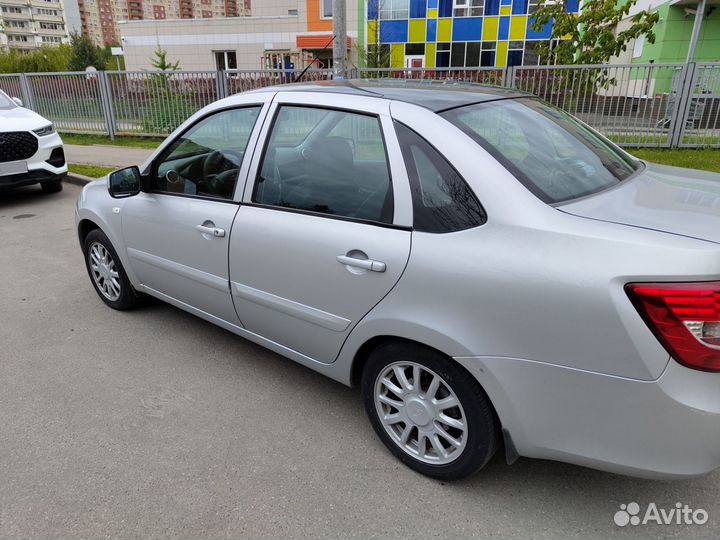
43	4
48	18
13	30
14	3
23	45
51	32
16	16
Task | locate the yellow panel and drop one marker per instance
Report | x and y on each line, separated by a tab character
418	27
444	30
432	14
430	55
397	55
505	10
501	54
372	31
518	25
490	28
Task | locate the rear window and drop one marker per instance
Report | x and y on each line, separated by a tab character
554	155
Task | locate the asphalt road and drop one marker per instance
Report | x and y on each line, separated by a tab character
155	424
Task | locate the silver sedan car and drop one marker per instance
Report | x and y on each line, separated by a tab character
492	273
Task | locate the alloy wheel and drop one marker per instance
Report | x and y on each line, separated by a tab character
420	412
104	273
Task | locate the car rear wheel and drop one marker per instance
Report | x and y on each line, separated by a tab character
52	187
430	413
107	273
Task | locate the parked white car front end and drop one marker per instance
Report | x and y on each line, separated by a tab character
31	151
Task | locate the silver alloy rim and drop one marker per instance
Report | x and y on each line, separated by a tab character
420	412
104	273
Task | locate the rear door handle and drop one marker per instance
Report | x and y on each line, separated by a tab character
212	231
365	264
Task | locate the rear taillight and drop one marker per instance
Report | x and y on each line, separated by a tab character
685	317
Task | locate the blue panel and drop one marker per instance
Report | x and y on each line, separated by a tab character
573	6
417	9
520	7
492	7
445	8
432	4
545	33
393	31
467	29
373	9
431	30
504	30
505	2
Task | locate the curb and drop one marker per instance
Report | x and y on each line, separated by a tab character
78	179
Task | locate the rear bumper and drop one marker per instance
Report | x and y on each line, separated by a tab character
667	428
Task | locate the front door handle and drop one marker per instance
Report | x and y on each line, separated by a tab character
365	264
212	231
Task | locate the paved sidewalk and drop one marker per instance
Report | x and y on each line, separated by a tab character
105	155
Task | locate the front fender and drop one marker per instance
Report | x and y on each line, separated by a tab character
95	205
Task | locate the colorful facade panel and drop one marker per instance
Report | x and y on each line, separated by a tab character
457	33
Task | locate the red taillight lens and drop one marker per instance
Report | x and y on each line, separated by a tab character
685	317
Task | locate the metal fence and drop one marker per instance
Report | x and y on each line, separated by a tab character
670	105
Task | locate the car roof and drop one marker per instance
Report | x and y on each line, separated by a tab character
431	94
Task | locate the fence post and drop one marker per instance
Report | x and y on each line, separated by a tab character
27	93
106	102
221	84
509	77
682	104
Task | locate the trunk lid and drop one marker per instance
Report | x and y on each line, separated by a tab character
669	199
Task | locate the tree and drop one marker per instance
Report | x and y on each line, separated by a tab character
85	53
46	58
376	55
591	36
161	63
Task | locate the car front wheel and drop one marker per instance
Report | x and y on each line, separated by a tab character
107	273
430	413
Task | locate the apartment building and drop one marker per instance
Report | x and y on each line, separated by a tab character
280	34
29	24
100	18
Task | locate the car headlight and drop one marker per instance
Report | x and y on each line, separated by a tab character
47	130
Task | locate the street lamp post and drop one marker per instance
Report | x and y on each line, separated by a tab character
340	42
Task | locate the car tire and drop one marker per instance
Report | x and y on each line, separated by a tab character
423	414
106	272
52	187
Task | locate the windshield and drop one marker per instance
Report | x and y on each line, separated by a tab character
5	102
554	155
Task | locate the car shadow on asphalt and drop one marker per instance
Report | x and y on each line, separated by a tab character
556	482
25	195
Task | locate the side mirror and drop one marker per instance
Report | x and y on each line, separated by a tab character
18	102
124	183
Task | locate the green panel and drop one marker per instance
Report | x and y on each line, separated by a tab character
430	50
397	55
418	28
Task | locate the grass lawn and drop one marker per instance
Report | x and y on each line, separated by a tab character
131	142
707	159
93	171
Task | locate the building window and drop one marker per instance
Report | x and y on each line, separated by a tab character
326	7
531	57
225	59
468	8
515	53
638	47
442	58
395	9
487	54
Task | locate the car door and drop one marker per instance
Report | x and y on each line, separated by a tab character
323	233
177	234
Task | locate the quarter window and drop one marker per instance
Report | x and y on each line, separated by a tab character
326	161
205	160
442	201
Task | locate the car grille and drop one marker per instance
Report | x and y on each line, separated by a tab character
17	145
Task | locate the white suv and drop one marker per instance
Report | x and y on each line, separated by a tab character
31	151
